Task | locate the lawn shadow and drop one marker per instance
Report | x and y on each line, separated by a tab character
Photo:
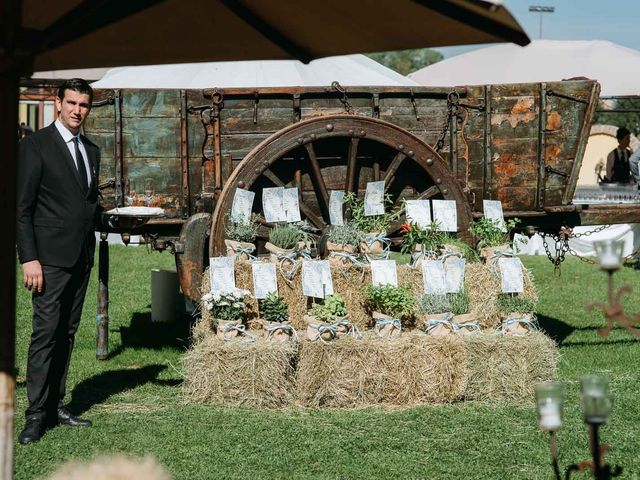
143	333
556	329
97	389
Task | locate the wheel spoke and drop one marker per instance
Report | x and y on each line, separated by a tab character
389	175
432	191
350	184
304	208
317	174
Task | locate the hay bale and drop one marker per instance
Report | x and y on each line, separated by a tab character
259	374
483	286
506	368
409	370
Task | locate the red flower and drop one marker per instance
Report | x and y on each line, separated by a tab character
405	228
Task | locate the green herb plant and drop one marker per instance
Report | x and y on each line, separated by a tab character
332	308
429	238
239	230
396	302
347	234
274	308
367	224
514	302
226	306
430	304
489	233
287	236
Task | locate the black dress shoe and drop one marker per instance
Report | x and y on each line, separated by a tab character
33	431
65	417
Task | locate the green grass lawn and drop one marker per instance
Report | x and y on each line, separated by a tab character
134	400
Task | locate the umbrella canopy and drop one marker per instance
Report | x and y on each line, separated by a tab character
616	68
349	70
95	33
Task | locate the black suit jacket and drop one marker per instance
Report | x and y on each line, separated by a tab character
55	218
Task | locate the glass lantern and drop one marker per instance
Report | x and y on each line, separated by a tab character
610	253
596	402
549	405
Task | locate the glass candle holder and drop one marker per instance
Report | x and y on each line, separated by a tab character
549	405
596	401
609	253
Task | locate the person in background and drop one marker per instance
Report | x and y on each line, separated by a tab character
56	209
634	159
618	169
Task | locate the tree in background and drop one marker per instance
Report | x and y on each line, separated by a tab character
407	61
624	112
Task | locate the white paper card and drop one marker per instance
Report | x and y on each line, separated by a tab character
433	277
374	199
445	213
493	211
383	272
290	204
264	279
273	204
454	274
242	205
221	274
511	272
316	278
336	199
419	212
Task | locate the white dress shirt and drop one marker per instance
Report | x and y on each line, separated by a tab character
68	137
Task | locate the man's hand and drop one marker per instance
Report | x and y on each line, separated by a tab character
32	275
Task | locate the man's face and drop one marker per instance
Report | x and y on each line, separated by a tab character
624	143
73	109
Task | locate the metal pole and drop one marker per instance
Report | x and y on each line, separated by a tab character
102	317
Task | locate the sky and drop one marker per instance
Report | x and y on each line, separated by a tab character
615	20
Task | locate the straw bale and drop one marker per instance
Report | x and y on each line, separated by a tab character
259	374
506	368
113	467
409	370
483	287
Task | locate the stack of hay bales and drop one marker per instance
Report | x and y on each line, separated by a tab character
412	369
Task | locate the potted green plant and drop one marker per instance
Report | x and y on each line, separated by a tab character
421	242
275	318
373	228
491	241
389	305
342	243
328	320
239	237
228	312
436	313
286	239
517	312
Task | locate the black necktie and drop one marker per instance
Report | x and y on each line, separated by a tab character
82	170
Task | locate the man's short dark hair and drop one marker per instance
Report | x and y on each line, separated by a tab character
622	132
77	84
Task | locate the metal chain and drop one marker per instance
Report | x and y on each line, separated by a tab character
562	246
345	100
453	103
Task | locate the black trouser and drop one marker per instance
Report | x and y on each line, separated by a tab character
56	316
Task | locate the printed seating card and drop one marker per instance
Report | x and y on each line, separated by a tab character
291	205
433	277
454	274
419	212
374	199
511	273
493	211
445	213
316	278
242	205
221	274
273	204
264	279
336	199
383	272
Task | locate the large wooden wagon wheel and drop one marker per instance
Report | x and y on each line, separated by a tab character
340	152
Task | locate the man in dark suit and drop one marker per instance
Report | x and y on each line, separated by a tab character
56	208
